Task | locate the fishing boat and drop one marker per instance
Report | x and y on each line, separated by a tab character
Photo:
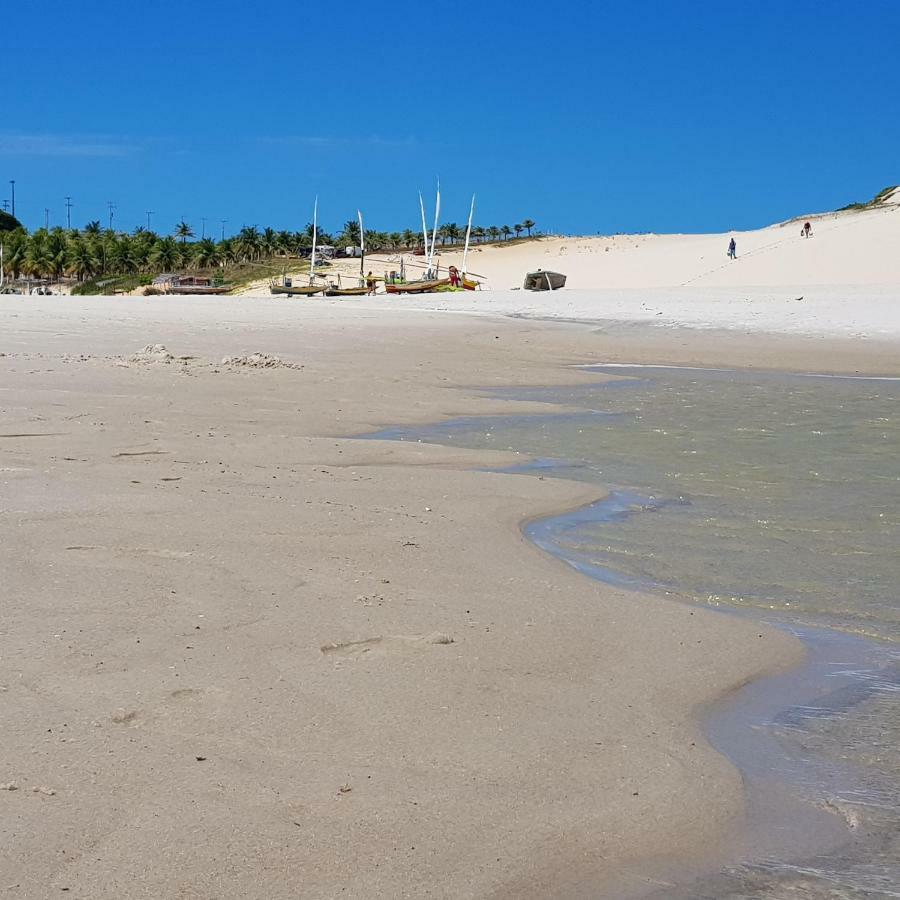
544	281
429	286
296	290
336	290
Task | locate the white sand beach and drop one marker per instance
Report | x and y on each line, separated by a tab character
246	655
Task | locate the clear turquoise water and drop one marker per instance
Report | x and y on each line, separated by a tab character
775	494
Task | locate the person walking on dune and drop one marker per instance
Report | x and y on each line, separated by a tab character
807	230
732	249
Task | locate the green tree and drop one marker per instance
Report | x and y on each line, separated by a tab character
82	261
92	227
166	255
206	253
518	229
528	224
506	231
183	231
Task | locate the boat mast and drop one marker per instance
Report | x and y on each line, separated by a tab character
312	258
437	212
468	232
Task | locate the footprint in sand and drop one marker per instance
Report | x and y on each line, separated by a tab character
381	646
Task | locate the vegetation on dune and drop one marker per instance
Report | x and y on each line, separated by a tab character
106	260
878	199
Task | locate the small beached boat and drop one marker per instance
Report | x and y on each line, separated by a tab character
544	281
417	287
334	291
299	290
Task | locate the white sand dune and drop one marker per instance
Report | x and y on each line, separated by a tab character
844	280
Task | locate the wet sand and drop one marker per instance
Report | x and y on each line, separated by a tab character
245	655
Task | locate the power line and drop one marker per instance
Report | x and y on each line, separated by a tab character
68	213
112	210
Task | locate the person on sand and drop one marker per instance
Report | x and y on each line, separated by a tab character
732	249
371	283
454	276
807	230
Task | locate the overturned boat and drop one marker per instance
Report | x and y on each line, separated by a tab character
544	281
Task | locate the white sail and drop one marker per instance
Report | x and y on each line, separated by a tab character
424	225
312	258
437	212
468	232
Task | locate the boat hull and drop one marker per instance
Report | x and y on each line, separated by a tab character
346	292
417	287
298	291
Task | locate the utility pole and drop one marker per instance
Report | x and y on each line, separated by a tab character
149	213
68	213
223	228
46	219
202	228
112	210
12	182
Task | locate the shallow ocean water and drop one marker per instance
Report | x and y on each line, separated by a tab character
777	495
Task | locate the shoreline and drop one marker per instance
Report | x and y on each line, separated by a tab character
577	822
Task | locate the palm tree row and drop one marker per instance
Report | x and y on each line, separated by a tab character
92	252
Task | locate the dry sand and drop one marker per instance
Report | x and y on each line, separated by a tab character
243	655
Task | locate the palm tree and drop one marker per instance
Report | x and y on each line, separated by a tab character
450	232
92	227
83	262
184	231
206	254
248	243
166	254
493	232
408	238
506	231
268	242
225	251
518	229
528	224
120	256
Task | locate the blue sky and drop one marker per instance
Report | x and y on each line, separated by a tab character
586	117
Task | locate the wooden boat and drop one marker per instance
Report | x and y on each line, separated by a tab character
299	290
346	292
417	287
544	281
